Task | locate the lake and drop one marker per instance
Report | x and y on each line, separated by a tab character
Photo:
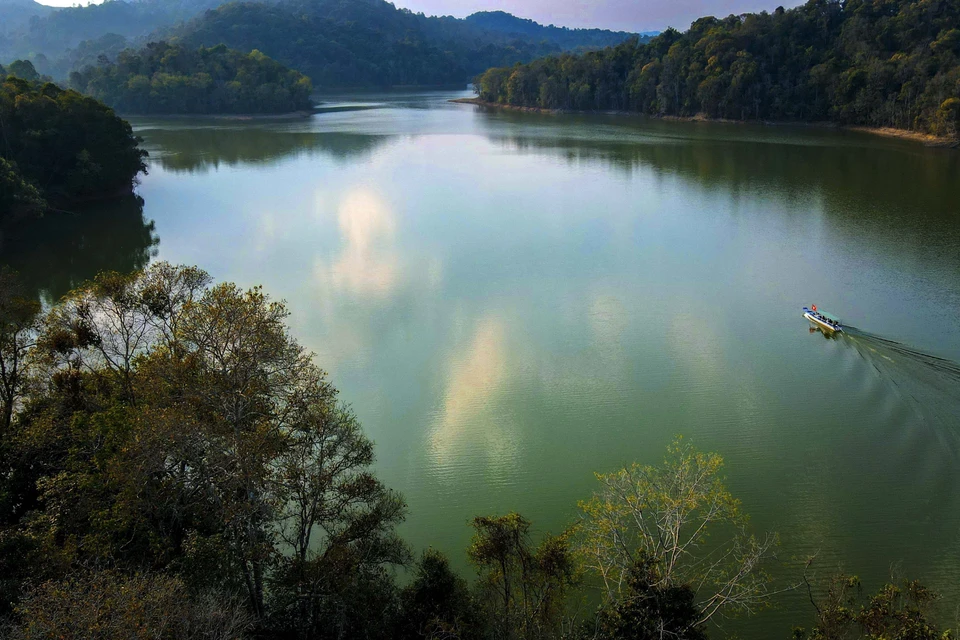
512	302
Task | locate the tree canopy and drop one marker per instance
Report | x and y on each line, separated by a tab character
168	78
880	63
59	146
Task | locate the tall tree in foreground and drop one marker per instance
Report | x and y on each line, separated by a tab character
18	329
177	426
523	589
900	610
646	529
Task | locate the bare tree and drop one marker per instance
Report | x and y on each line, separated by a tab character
660	516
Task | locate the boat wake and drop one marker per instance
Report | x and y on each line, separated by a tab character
930	383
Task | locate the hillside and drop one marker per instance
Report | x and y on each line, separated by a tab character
59	30
510	25
877	63
338	43
14	14
341	43
168	79
60	148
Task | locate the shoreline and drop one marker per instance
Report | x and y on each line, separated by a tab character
927	139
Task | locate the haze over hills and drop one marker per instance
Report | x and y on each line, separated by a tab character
14	14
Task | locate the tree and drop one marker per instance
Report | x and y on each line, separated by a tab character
659	517
177	426
106	604
168	78
69	147
897	611
651	610
18	198
522	588
23	69
437	604
847	62
18	328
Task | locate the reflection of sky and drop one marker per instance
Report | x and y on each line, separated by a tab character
507	318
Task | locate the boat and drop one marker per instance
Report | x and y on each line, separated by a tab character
823	319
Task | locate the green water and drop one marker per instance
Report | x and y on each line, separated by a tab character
512	302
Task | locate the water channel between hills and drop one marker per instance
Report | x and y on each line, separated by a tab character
512	302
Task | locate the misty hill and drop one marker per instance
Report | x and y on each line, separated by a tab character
58	30
14	14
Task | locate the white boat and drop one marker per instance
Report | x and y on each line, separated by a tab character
823	319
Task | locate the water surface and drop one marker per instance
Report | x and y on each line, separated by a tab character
512	302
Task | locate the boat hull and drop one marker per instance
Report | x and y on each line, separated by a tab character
826	326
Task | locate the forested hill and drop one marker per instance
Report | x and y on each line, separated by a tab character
60	148
880	63
164	78
349	43
341	43
511	25
53	34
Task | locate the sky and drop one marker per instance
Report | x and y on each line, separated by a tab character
621	15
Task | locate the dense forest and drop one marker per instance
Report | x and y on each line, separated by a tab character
175	465
165	78
59	147
879	63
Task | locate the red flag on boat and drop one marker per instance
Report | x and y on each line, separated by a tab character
814	307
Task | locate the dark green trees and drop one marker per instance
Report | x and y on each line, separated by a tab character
164	78
862	62
61	146
174	426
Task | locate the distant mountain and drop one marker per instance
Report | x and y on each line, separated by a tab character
371	43
15	14
58	30
508	24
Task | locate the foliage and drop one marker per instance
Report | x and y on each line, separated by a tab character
895	612
104	605
862	62
648	609
23	69
522	589
62	145
18	326
18	198
437	604
177	426
660	517
164	78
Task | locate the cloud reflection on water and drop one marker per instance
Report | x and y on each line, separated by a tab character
368	265
470	421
